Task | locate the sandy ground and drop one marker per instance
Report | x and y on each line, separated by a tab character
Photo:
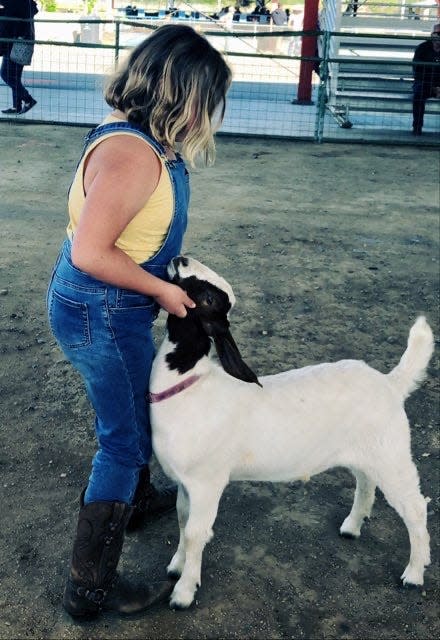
332	251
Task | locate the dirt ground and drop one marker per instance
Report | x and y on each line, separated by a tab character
332	251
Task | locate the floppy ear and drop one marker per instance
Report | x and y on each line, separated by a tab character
227	351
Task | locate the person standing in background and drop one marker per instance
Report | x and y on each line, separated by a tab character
11	71
426	77
278	15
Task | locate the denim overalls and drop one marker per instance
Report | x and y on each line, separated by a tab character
105	332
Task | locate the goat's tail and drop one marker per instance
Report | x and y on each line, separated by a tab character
411	370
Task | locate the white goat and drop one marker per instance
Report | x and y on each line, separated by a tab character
210	427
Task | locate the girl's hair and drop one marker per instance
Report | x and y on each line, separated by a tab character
171	85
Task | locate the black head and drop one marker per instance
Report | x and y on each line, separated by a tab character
214	300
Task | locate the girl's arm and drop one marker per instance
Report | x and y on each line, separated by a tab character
121	174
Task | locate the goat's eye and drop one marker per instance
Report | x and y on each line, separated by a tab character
209	299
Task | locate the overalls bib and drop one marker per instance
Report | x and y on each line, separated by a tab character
105	332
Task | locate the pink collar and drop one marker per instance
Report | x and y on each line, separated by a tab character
168	393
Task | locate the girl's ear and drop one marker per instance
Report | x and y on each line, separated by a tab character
227	351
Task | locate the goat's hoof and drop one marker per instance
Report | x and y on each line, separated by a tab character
408	586
412	578
348	535
181	598
180	605
177	606
349	529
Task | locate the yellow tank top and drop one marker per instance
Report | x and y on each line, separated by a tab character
146	232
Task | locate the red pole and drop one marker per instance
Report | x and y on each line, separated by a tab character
308	49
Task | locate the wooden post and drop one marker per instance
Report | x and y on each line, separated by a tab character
308	49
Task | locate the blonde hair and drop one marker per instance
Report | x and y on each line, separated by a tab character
171	85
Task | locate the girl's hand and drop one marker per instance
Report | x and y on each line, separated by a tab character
174	300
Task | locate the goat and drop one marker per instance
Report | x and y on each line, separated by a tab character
212	424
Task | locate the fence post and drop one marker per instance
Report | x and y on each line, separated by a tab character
308	48
117	40
322	89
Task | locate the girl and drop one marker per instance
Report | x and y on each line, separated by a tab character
128	212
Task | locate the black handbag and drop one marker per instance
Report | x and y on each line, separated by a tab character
22	52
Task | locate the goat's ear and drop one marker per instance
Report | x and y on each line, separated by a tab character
228	352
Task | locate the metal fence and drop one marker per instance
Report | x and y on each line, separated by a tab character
361	86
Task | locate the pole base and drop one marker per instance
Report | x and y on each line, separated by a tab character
302	102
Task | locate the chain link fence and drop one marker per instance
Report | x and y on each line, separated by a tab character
361	83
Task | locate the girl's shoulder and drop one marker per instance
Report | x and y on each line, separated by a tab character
124	146
120	129
124	149
122	160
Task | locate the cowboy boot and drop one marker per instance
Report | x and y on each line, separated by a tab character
149	502
93	584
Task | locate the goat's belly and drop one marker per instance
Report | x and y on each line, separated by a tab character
286	449
276	470
267	474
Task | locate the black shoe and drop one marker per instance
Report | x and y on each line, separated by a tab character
416	131
27	106
11	111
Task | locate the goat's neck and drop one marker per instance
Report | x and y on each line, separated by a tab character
183	352
190	340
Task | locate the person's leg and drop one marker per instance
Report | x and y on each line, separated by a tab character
11	74
137	349
419	100
4	70
24	98
118	391
93	584
150	502
8	75
110	344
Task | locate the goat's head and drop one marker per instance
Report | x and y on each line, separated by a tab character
214	299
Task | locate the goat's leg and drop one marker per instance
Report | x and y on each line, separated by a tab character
204	499
363	501
177	563
400	485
